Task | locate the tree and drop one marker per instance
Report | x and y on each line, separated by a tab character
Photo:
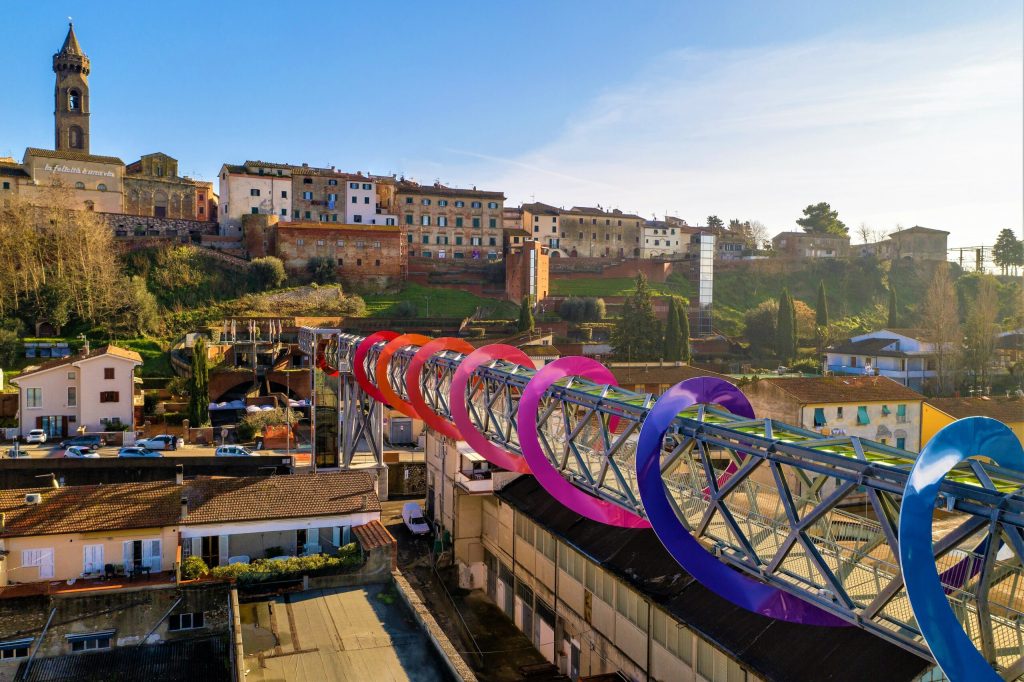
199	387
759	326
758	232
821	219
715	223
321	269
1008	252
785	328
266	273
526	322
980	331
673	347
940	313
637	334
821	308
684	328
893	320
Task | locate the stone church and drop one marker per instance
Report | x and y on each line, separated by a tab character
150	186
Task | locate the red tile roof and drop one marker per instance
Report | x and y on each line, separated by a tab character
843	389
116	351
373	535
1006	410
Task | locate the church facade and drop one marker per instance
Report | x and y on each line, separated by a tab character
70	174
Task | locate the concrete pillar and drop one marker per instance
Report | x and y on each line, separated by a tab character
381	474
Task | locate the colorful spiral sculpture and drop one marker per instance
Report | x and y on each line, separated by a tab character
926	589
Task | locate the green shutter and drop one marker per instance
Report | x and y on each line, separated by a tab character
886	410
862	415
819	416
901	410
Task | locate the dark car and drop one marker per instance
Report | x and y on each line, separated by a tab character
91	442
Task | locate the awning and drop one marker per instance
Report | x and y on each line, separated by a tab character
819	416
862	415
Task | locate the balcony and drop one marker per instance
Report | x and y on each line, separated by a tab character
475	482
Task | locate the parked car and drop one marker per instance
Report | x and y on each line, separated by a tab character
79	452
412	517
234	451
136	451
89	442
162	442
36	436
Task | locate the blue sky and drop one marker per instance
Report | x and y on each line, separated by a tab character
896	113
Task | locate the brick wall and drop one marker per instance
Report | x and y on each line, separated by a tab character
362	254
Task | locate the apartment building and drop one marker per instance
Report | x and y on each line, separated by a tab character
662	239
94	391
875	408
450	222
253	188
904	355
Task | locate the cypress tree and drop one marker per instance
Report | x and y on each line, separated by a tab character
526	322
821	310
785	329
199	387
673	343
893	314
684	330
637	334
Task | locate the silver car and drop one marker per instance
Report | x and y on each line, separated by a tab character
234	451
78	452
135	451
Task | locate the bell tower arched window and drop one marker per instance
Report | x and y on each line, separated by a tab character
75	137
74	100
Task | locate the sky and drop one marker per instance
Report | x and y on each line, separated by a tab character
908	113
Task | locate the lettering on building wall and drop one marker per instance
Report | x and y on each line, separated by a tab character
79	171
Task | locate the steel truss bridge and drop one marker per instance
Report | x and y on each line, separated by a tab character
773	517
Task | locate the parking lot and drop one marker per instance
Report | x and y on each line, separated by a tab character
54	451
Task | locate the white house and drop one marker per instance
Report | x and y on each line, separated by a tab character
361	205
255	187
94	390
904	355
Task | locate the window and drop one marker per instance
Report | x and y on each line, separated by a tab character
109	397
629	604
862	415
319	242
442	221
359	261
7	185
475	204
355	200
839	412
901	414
186	621
72	396
307	215
493	222
332	197
284	194
367	185
819	416
16	648
458	241
91	642
901	443
493	241
425	202
677	639
408	200
357	218
340	242
460	204
254	210
377	263
79	185
600	583
492	204
254	192
332	182
426	239
442	202
355	185
571	562
108	372
103	188
41	558
92	558
376	245
366	200
300	242
308	196
425	220
76	137
33	397
71	376
74	100
458	222
476	222
307	181
408	218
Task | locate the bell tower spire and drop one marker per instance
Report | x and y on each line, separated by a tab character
71	96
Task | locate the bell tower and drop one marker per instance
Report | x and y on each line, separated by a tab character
71	96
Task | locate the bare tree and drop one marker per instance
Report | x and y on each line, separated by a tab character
758	232
940	316
980	331
865	233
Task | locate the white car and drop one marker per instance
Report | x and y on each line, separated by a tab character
234	451
36	436
78	452
412	517
135	451
162	442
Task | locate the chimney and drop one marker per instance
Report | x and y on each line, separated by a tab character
364	501
179	475
184	508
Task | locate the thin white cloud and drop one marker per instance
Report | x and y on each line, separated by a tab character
923	129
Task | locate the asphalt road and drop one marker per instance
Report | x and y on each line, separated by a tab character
54	451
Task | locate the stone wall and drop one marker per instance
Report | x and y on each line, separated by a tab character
407	478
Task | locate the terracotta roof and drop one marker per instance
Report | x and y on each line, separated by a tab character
913	333
1006	410
843	389
116	351
660	374
872	346
437	189
540	349
917	229
590	210
222	500
541	209
86	508
372	535
71	156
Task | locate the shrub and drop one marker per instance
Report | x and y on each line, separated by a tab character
321	269
806	366
193	567
266	273
405	310
577	309
253	423
269	570
174	418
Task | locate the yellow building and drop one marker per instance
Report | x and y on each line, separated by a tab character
939	412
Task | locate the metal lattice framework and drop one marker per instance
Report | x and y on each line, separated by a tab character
777	518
